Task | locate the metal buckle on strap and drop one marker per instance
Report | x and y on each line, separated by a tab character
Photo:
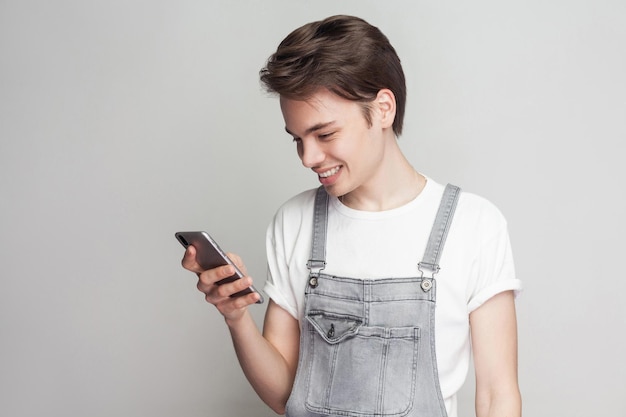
315	266
427	283
425	266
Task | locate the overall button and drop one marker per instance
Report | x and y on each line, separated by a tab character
313	282
427	285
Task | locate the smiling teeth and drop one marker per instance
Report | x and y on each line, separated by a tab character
328	173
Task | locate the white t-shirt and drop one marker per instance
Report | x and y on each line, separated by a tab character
476	262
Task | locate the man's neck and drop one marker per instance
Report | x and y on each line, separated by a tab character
395	184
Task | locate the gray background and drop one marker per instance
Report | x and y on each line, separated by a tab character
122	122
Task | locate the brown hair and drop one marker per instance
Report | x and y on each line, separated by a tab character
344	54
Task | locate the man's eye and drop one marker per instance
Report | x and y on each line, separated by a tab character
326	135
297	140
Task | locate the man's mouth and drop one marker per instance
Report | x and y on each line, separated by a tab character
329	173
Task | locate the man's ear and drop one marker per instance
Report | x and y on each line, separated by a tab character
385	104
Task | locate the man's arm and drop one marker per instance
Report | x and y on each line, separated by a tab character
269	361
494	343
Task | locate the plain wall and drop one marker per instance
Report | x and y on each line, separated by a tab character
122	122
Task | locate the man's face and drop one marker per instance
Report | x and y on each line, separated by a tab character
334	140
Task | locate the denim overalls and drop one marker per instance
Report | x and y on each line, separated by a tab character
367	347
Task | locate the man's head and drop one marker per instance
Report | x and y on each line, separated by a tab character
343	54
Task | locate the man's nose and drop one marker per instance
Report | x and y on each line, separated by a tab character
311	153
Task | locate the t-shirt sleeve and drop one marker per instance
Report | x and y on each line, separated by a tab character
277	283
495	267
288	245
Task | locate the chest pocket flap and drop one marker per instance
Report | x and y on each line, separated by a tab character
334	328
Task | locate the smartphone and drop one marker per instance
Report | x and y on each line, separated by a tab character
209	256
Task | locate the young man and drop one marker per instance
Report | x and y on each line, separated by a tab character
378	278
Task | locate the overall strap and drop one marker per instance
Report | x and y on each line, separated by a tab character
438	234
317	262
434	247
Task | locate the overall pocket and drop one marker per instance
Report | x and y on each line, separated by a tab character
360	371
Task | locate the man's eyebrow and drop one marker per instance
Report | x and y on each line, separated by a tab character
313	128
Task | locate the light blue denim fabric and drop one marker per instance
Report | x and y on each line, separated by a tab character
368	346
